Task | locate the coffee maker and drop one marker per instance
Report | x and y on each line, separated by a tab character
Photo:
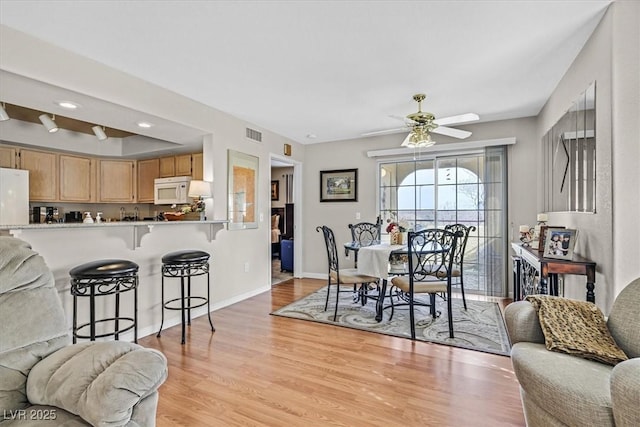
45	214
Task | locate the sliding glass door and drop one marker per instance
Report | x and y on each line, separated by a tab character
468	189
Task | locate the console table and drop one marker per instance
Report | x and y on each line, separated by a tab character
534	273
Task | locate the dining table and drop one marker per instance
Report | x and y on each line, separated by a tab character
374	259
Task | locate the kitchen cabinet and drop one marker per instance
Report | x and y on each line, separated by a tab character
148	171
8	157
197	166
117	181
183	165
77	178
43	174
167	167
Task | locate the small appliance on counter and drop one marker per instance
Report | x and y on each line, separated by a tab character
73	216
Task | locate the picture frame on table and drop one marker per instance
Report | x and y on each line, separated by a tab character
543	234
340	185
559	243
275	190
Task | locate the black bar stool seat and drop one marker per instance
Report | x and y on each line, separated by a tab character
100	278
185	264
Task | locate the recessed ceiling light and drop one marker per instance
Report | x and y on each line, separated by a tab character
144	124
312	136
67	104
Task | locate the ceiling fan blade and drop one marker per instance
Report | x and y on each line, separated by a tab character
456	133
462	118
405	143
384	131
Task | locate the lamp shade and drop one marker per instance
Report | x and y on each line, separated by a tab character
198	188
49	124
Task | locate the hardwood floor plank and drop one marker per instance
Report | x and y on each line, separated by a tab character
263	370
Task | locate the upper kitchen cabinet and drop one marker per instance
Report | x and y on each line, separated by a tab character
117	181
183	165
148	171
197	166
8	157
43	174
77	179
167	166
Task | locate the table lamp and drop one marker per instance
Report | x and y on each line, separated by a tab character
199	189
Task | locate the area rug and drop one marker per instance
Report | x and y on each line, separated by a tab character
480	327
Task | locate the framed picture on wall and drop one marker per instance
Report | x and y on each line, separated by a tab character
559	243
339	185
275	190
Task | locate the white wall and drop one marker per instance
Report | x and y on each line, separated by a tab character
608	237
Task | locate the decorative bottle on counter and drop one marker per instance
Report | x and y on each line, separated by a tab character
87	218
99	217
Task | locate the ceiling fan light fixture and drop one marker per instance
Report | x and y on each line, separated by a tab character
48	123
99	132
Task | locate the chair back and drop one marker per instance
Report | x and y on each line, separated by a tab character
431	251
365	233
458	256
330	243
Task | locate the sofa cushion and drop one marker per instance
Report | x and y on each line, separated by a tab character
574	390
577	328
624	319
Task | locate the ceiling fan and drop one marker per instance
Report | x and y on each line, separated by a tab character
422	124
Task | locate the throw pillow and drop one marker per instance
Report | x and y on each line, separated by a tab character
577	328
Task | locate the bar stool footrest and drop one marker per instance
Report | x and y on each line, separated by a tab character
188	305
106	334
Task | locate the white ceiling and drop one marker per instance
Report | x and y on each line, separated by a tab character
334	69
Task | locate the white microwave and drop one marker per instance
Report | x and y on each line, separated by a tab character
167	191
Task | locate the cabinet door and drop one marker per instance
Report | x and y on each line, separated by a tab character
148	170
167	167
117	181
197	166
8	158
43	174
183	165
76	178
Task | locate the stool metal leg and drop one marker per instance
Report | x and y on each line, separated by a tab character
188	295
116	333
208	303
75	318
183	307
135	312
92	313
162	304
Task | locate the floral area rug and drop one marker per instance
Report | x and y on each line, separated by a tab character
480	327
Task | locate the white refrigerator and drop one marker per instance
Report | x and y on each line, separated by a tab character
14	196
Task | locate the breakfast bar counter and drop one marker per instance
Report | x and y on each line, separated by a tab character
65	246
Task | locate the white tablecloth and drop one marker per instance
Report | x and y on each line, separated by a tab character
374	260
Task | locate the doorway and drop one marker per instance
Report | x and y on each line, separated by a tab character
283	221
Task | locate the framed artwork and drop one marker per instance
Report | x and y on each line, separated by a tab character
559	243
542	236
339	185
275	190
242	188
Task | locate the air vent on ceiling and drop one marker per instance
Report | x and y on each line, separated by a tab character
254	134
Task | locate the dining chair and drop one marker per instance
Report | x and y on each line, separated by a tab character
347	276
365	233
429	251
458	256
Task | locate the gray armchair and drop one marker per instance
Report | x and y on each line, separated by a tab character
558	389
45	381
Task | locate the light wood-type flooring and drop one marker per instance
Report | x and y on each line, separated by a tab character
263	370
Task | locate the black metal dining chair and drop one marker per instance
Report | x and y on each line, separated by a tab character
365	234
429	251
348	276
458	256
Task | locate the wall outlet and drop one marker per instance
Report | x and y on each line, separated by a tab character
246	267
357	215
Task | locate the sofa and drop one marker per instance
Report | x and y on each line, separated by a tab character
46	381
560	389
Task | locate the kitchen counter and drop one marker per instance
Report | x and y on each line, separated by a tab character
139	228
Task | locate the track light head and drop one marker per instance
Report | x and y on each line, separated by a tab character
48	123
3	113
99	132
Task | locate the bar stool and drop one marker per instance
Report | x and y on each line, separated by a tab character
102	278
186	264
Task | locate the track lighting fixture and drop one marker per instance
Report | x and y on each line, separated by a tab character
99	132
3	113
49	123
